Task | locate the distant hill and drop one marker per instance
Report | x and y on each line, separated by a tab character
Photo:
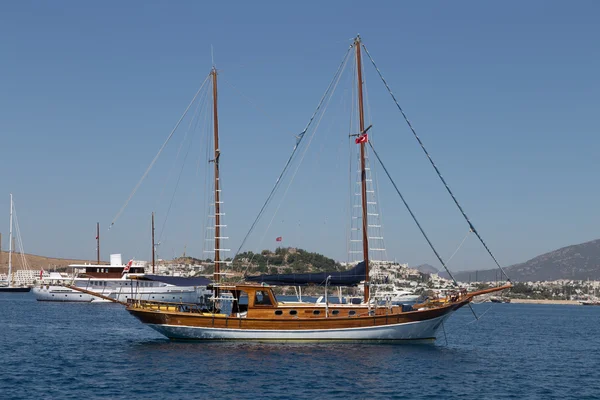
576	262
35	262
286	260
427	269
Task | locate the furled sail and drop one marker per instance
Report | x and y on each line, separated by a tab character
351	277
178	280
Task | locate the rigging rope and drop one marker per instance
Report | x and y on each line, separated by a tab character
318	123
417	222
157	155
183	141
459	246
412	214
162	229
433	164
20	241
192	127
287	164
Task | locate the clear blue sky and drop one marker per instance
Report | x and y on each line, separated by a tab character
505	95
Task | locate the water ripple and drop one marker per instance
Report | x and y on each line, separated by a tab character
98	351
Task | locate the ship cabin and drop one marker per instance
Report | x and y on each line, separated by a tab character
110	271
259	301
115	270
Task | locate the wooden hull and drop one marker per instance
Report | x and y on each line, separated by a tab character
274	321
420	331
416	326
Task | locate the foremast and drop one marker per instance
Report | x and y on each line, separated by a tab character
363	173
217	195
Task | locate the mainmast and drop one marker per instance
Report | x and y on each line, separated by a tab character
10	243
363	174
217	260
153	242
98	242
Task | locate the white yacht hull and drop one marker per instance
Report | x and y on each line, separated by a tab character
406	299
62	294
166	294
420	331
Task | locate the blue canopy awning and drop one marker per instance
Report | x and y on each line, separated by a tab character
178	280
351	277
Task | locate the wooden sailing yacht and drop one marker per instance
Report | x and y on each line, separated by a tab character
254	313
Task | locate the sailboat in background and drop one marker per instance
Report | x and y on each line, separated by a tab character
9	284
251	311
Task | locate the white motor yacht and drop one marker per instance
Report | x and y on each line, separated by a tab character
120	282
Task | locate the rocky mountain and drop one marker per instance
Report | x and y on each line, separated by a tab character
576	262
427	269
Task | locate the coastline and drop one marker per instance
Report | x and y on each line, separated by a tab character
534	301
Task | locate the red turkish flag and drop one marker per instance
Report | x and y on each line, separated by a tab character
362	139
127	267
279	239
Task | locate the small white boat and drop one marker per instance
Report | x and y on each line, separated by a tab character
398	297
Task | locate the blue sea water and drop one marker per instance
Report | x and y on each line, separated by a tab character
99	351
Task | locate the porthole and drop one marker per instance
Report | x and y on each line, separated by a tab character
278	312
335	312
293	312
351	313
316	312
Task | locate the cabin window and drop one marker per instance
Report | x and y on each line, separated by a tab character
335	312
278	312
351	313
262	298
97	269
293	312
316	312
